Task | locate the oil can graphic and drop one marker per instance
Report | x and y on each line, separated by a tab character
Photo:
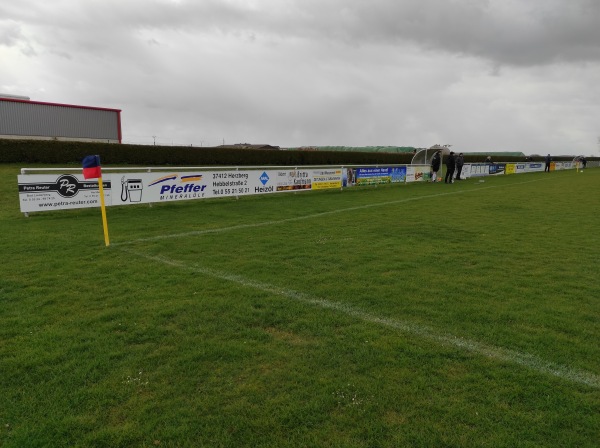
131	189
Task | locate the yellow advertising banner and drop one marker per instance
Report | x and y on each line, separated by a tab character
511	168
323	179
325	185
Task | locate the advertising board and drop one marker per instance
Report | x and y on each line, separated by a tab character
41	192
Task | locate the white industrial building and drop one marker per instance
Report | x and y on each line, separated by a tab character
21	118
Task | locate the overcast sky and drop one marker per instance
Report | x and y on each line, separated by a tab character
482	75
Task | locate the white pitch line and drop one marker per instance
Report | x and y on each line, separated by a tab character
311	216
527	360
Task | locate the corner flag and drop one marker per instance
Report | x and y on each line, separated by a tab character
91	167
92	170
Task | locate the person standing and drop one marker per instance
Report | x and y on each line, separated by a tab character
583	162
460	161
548	160
450	167
436	161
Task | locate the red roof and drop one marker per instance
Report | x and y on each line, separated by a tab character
15	100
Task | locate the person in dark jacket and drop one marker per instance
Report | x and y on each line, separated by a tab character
436	162
548	160
450	167
460	161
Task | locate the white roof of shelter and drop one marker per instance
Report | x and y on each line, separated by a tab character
424	155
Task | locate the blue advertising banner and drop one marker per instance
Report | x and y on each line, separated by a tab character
398	174
497	168
372	176
380	175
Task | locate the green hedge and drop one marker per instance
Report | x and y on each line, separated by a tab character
58	152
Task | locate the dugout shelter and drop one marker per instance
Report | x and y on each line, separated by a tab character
424	156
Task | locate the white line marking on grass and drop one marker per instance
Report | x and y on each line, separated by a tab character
311	216
496	353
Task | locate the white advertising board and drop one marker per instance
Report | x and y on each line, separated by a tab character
564	166
41	192
293	180
60	191
479	169
155	187
417	173
535	166
520	168
466	171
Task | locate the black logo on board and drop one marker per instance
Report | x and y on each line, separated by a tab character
66	186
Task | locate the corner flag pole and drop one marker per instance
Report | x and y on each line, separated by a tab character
92	170
103	209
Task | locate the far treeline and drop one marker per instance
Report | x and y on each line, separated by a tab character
66	153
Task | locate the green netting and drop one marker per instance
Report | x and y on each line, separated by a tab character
392	149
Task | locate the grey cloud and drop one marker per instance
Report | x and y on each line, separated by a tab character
502	31
511	32
11	35
296	72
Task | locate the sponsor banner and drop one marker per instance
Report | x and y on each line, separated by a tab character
40	192
293	180
161	187
144	188
417	173
327	178
520	168
398	174
141	188
564	165
69	191
466	171
479	169
533	167
235	182
348	177
497	168
373	176
380	175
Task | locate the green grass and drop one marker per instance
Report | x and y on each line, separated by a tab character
418	315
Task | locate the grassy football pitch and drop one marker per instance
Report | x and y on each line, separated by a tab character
461	315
